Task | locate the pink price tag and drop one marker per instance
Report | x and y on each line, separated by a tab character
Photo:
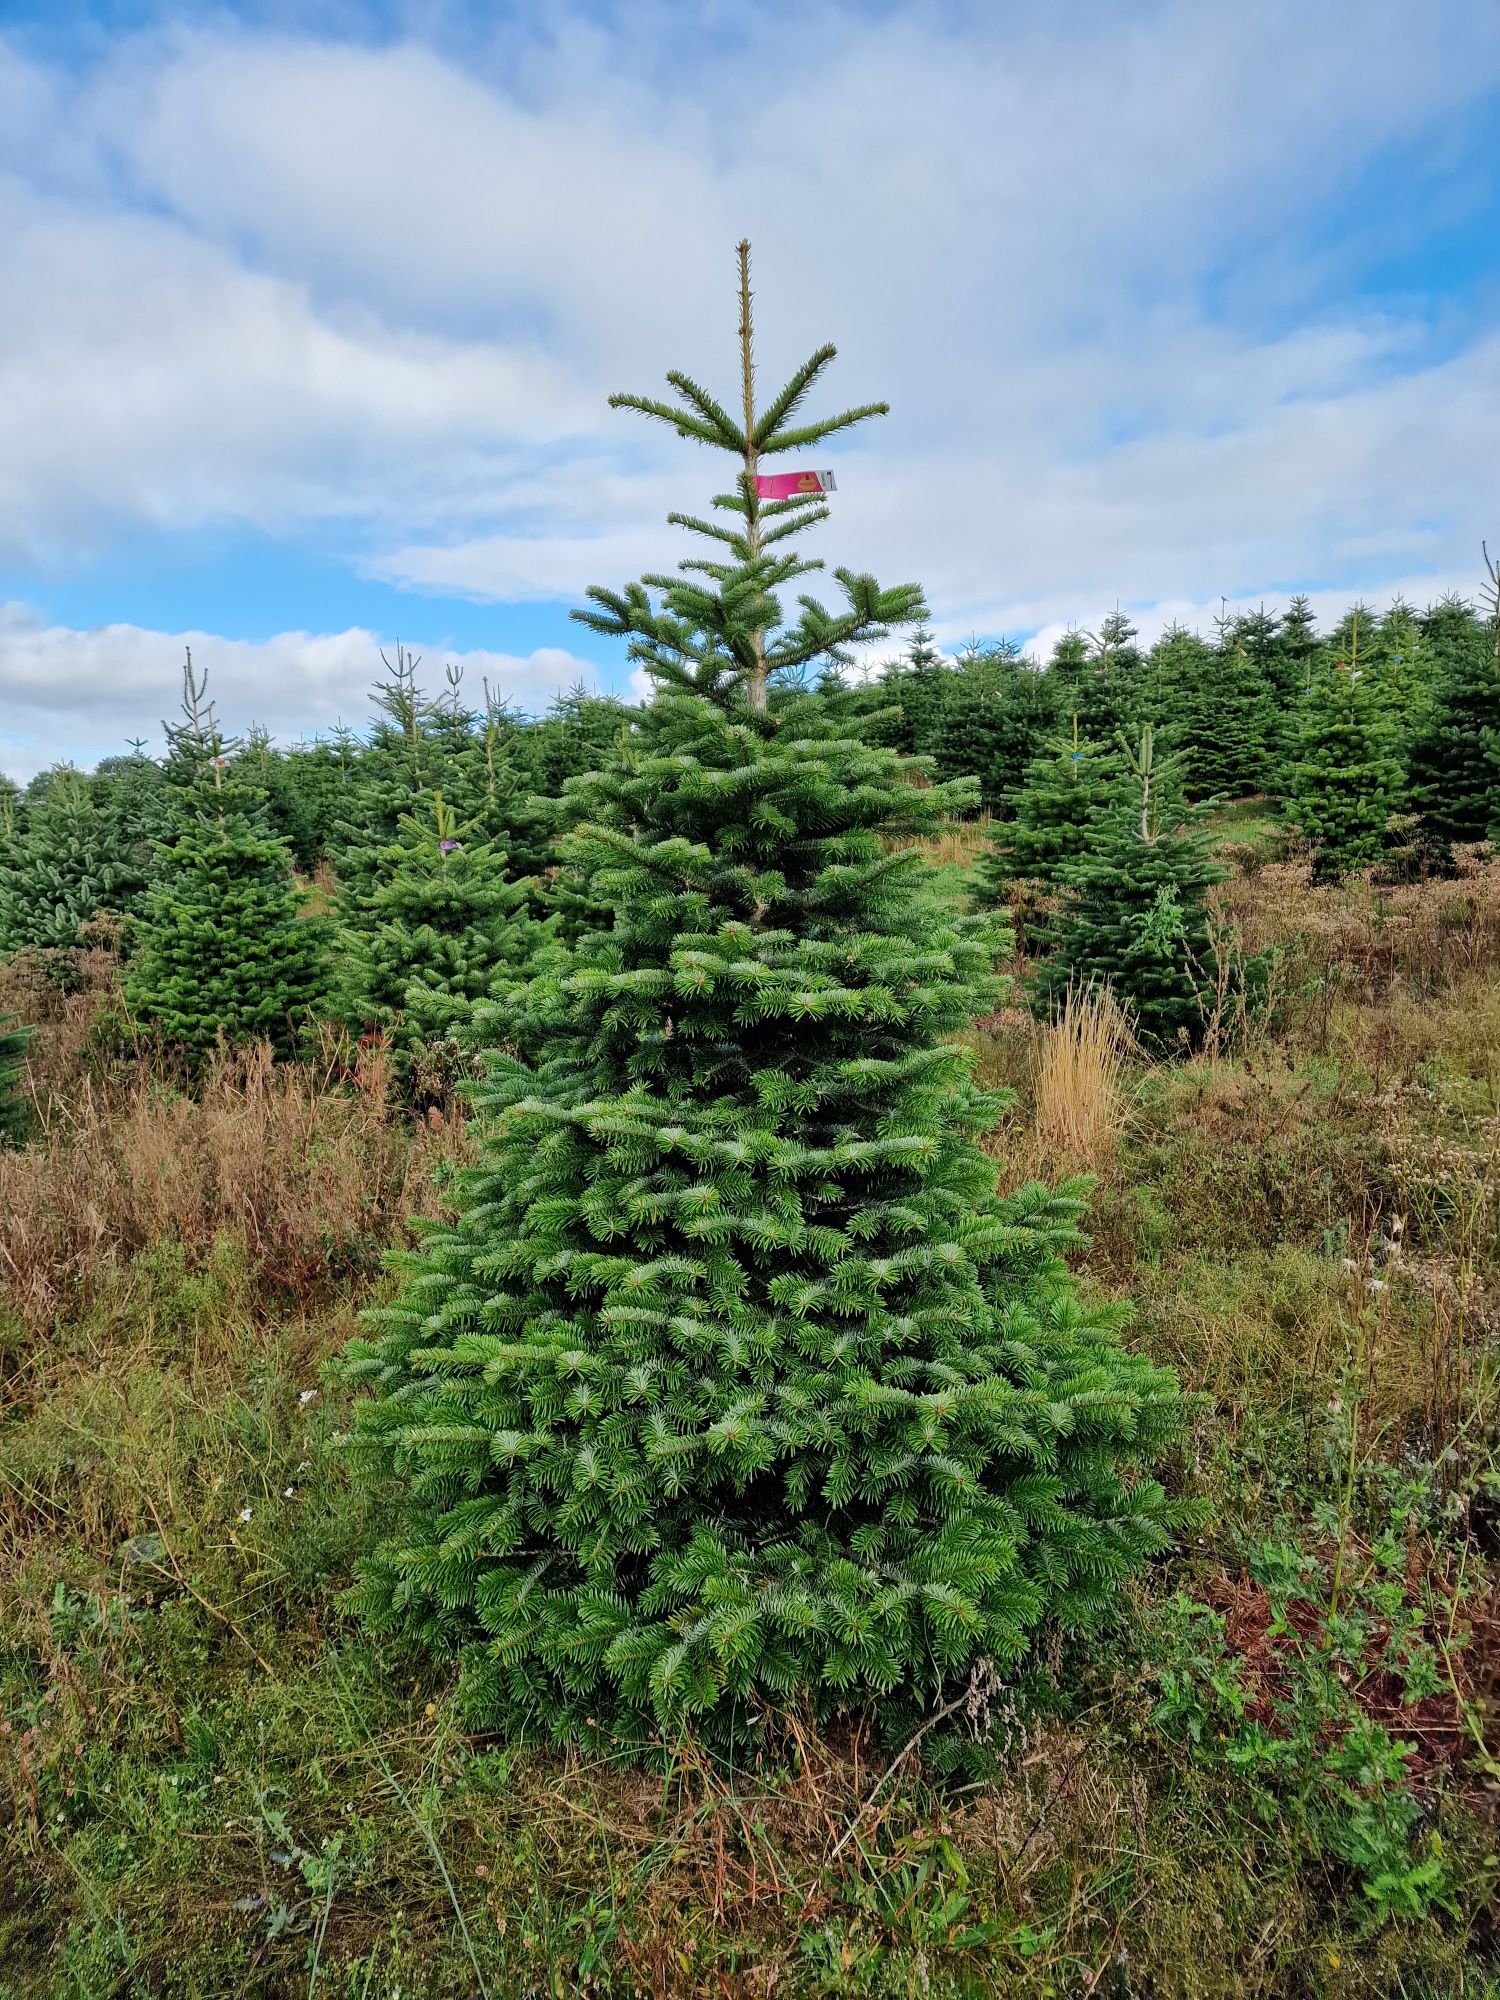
792	485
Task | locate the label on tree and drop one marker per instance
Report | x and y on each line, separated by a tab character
792	485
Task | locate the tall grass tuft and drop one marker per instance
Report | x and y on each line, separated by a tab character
1080	1079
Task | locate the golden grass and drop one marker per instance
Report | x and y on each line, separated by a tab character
960	843
1080	1077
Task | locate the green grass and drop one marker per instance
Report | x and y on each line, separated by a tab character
1274	1776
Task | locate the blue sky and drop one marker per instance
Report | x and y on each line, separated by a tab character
313	311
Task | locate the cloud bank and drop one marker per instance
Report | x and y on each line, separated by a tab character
1159	296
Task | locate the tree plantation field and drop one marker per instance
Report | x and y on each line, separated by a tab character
835	1333
1269	1775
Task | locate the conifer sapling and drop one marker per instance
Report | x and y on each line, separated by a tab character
734	1386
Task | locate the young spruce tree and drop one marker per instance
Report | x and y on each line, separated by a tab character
735	1386
439	930
221	952
1345	780
1135	917
1453	767
68	861
1025	868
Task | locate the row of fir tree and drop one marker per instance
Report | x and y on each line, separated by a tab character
1380	740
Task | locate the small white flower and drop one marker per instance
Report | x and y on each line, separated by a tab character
245	1513
287	1492
1377	1284
1348	1263
305	1466
307	1396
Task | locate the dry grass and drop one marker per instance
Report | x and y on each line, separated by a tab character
1359	940
960	843
309	1168
1080	1078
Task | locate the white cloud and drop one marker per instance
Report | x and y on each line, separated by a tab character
376	294
92	690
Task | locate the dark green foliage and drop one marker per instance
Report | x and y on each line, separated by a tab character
440	928
68	860
1108	692
1299	652
1453	767
914	687
995	711
1135	916
418	746
1345	782
1048	831
222	954
1218	705
13	1045
735	1385
578	733
303	790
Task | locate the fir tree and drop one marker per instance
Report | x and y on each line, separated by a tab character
1067	673
1216	705
67	862
1112	687
735	1385
438	932
1299	652
1345	782
1300	658
1453	769
1135	917
995	713
914	686
13	1046
1396	657
221	951
1047	833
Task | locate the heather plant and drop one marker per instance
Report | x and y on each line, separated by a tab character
734	1386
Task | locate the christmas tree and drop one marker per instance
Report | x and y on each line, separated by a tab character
1299	652
1401	665
735	1386
1112	684
1216	705
1453	767
1048	832
419	745
995	714
438	931
13	1044
1345	780
66	862
221	952
914	687
1135	916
